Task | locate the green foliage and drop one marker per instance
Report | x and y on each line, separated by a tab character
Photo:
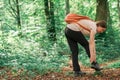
114	65
29	49
28	52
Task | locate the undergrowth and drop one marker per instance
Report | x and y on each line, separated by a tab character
34	54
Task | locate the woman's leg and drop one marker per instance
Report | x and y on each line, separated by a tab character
74	49
84	43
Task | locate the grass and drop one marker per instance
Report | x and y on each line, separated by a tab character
35	56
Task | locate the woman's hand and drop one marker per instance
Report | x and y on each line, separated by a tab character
93	58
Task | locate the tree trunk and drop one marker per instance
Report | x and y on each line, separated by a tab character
102	14
18	14
15	11
102	10
118	11
108	37
49	12
67	6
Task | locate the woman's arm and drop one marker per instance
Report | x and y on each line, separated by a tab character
92	47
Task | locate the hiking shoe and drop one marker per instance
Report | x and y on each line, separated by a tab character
96	66
79	73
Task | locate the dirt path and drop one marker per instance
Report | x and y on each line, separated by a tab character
67	74
110	74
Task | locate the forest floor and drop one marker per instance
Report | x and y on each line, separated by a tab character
67	74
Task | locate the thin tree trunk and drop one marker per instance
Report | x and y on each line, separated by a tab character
52	21
67	6
18	14
110	31
15	11
49	12
118	11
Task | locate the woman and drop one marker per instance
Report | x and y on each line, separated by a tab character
76	34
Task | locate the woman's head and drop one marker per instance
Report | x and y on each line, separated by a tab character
101	26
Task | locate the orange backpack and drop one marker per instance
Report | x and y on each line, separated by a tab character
74	18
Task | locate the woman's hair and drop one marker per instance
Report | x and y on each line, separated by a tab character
101	23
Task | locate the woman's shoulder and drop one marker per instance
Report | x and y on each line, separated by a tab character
87	21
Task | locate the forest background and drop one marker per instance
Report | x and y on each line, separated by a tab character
32	34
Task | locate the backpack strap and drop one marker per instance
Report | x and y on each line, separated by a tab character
83	27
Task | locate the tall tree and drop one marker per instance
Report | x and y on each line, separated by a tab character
67	6
102	10
15	11
118	5
49	12
102	13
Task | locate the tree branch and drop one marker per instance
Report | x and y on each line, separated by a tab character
13	10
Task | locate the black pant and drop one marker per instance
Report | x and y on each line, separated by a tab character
73	38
